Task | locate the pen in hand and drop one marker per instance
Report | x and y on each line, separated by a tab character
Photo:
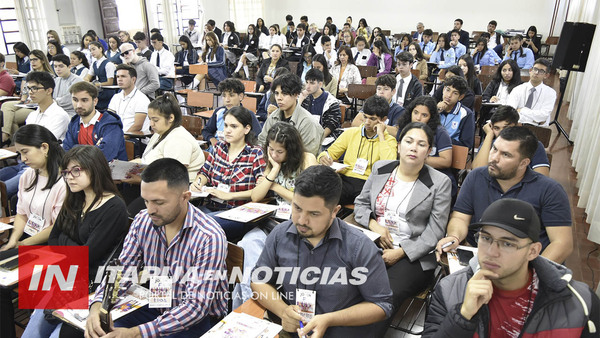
302	328
443	246
99	141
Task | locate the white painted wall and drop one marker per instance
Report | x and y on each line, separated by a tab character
402	15
87	16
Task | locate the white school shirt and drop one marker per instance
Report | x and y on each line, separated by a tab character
167	62
543	103
128	106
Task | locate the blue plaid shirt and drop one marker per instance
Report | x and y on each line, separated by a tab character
201	244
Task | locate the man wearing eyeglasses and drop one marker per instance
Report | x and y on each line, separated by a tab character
508	175
534	100
508	289
147	74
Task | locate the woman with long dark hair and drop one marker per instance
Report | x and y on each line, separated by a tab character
213	55
101	74
79	64
41	194
483	56
85	46
185	57
261	27
507	77
443	54
420	63
92	215
532	41
232	170
329	81
113	54
346	73
465	63
54	48
381	58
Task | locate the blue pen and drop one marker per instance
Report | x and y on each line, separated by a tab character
302	328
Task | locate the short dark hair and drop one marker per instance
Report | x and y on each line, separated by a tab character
428	32
84	86
376	105
405	57
387	80
301	26
289	17
42	78
493	22
418	125
543	62
291	23
320	181
157	37
290	84
459	20
360	38
192	22
328	18
455	31
167	169
62	58
528	143
314	74
155	30
346	24
211	22
130	69
2	59
457	82
139	36
505	113
456	70
304	18
324	39
92	32
231	85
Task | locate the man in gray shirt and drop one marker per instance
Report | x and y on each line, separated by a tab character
63	82
147	74
332	275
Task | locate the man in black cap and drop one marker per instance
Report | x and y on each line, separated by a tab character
509	290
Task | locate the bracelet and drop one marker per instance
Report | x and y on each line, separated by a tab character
268	179
457	239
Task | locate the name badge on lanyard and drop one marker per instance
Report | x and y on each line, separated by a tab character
161	292
34	225
360	166
307	302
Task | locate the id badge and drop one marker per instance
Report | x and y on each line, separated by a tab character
307	302
161	292
35	223
360	166
284	211
220	135
392	222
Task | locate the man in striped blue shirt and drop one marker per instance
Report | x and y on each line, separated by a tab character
171	234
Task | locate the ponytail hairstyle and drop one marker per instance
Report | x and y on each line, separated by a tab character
167	105
35	135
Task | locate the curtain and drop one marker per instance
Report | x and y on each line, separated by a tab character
585	112
245	12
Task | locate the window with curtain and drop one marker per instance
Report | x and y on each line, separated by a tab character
9	26
34	22
245	12
172	16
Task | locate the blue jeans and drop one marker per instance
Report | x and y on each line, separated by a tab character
39	327
146	314
165	84
253	244
10	176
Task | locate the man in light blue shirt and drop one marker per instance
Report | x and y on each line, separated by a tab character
459	48
427	45
523	56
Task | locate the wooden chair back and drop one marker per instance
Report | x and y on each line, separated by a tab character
4	200
488	70
485	80
371	80
10	65
130	149
416	72
361	91
460	155
386	32
193	125
200	99
249	86
477	104
552	40
367	71
543	134
235	258
250	103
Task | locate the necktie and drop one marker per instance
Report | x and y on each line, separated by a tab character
157	59
400	88
515	55
356	56
529	102
185	55
442	55
190	34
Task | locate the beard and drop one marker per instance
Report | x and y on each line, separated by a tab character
501	174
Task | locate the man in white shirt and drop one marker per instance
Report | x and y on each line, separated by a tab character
191	32
408	85
63	81
130	103
329	53
48	114
495	38
459	48
164	61
534	100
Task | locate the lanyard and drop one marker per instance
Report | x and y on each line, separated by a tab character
322	260
44	205
129	100
393	178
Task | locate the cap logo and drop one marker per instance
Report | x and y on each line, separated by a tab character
517	218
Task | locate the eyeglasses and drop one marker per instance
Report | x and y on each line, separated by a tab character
484	241
34	59
33	89
75	172
538	71
126	52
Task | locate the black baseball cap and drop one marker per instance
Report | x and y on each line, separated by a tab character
513	215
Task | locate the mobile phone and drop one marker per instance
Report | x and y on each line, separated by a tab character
464	256
11	264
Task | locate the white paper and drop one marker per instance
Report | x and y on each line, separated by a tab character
244	326
122	169
327	141
248	212
4	226
5	153
371	234
337	166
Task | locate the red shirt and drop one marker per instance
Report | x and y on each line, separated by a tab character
7	83
509	309
86	134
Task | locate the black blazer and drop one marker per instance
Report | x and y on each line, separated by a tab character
315	38
414	90
492	89
234	39
252	44
219	34
264	67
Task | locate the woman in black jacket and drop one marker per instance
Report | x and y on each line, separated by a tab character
184	58
250	47
507	77
264	78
